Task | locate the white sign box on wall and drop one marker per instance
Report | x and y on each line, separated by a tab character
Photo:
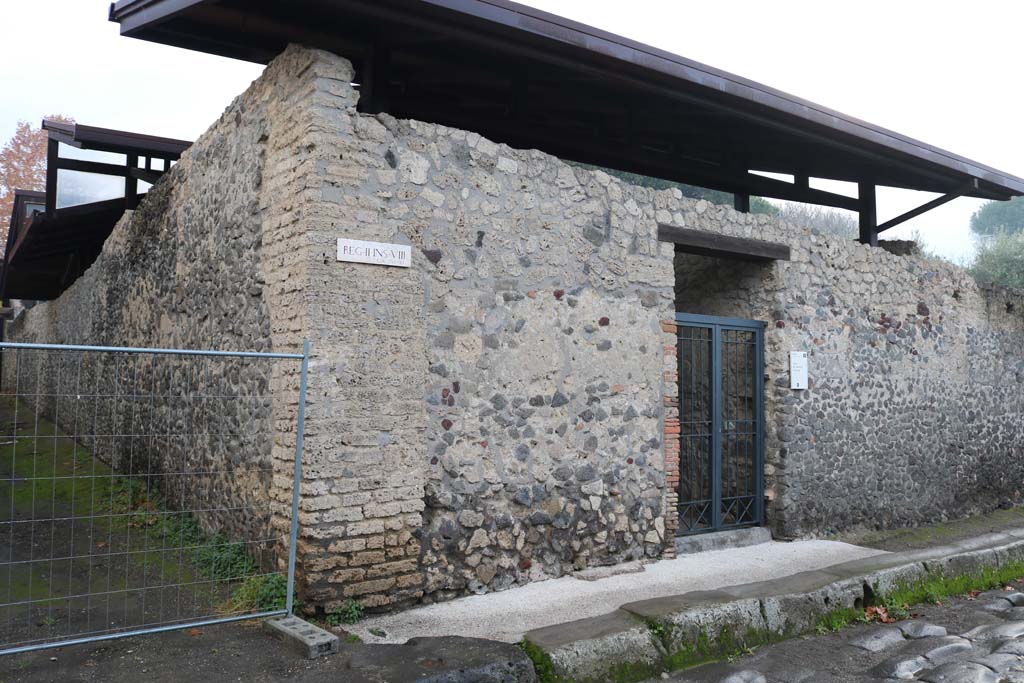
377	253
797	369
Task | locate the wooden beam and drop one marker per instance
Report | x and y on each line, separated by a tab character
928	206
868	214
741	202
103	168
723	246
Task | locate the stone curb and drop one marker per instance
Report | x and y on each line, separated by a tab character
590	649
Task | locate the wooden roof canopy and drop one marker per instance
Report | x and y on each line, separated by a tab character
536	80
49	247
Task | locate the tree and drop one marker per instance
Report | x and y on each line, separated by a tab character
22	167
1000	260
829	221
994	218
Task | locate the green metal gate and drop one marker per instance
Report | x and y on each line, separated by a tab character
721	416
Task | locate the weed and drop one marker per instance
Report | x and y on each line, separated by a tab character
936	586
224	560
542	663
837	619
352	638
263	593
350	612
661	630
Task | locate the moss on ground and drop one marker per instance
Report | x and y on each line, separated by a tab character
542	663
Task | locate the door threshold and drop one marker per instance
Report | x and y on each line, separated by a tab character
723	540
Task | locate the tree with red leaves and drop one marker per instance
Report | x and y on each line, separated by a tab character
22	167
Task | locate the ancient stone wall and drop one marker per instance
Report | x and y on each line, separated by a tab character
199	265
506	409
915	410
495	410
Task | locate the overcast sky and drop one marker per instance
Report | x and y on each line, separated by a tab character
940	71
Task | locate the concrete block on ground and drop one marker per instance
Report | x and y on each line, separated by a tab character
308	640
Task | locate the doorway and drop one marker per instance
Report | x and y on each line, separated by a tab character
721	416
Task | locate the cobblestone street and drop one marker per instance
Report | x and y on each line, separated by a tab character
979	640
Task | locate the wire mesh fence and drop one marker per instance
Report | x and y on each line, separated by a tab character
137	489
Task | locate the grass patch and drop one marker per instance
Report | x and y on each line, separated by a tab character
263	593
838	619
937	587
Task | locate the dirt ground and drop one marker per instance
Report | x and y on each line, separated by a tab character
243	652
228	652
86	550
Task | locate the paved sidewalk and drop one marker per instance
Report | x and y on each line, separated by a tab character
508	615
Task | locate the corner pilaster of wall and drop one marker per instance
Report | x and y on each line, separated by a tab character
364	472
672	432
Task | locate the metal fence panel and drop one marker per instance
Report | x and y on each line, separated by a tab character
137	490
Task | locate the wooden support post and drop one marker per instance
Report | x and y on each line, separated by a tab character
741	202
520	94
131	185
868	214
51	176
375	79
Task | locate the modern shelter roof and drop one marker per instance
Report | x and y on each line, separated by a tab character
535	80
92	176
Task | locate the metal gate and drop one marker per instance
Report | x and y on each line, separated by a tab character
721	387
136	490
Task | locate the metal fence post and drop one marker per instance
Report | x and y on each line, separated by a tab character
297	479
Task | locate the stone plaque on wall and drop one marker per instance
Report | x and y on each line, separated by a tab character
377	253
797	369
